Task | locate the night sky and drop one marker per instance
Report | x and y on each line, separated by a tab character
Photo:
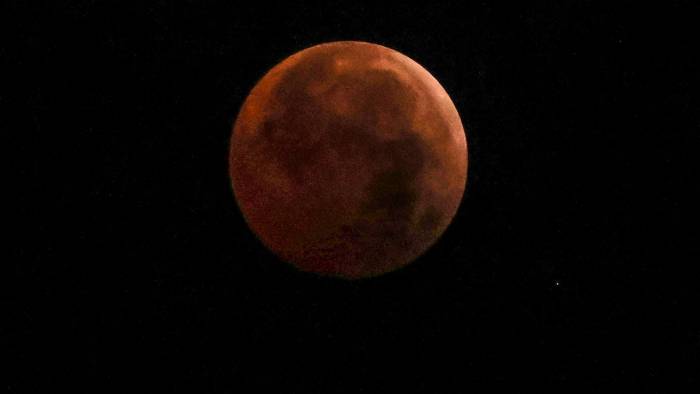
131	267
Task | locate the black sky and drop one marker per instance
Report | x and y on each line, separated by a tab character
570	258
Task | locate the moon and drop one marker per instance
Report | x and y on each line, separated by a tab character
348	159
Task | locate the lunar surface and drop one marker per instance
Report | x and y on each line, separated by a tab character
348	159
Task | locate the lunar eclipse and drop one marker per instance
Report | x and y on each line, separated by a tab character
348	159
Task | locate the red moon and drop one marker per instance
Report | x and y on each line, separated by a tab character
348	159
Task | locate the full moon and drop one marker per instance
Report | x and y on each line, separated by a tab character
348	159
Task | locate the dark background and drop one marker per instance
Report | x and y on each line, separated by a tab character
131	267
